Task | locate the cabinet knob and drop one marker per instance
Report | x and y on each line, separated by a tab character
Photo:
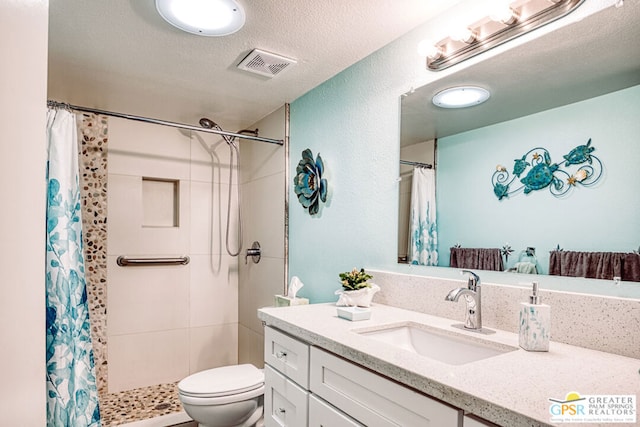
281	411
281	355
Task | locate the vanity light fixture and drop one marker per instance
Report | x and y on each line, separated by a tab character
461	97
203	17
508	19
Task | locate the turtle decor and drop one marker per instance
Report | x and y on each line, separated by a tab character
535	171
310	187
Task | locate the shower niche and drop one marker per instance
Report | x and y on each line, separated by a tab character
160	202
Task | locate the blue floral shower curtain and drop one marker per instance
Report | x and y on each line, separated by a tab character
423	238
72	395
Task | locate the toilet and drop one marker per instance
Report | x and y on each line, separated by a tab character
229	396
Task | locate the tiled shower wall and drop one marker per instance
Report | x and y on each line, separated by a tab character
166	322
263	190
161	323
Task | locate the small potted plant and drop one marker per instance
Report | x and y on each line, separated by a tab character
356	290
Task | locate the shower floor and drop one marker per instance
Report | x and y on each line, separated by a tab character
139	404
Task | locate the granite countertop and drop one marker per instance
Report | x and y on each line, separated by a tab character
511	389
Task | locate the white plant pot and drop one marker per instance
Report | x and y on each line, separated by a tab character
360	298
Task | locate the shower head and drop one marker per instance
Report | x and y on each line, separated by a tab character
208	123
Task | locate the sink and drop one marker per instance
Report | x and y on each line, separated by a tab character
447	347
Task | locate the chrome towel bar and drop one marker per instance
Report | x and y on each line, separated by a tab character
124	261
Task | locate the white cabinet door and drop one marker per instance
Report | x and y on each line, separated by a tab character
285	403
321	414
287	355
372	399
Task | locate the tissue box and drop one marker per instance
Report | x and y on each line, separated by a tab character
283	301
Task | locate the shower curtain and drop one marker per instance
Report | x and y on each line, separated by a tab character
72	396
423	239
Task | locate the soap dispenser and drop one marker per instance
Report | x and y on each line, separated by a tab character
535	323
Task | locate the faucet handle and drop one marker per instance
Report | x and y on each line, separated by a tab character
474	279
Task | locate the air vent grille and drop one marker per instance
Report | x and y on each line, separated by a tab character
265	63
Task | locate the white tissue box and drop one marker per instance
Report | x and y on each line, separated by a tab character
283	301
354	313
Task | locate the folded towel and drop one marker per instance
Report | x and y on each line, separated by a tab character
525	267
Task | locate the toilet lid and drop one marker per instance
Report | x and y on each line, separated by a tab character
222	381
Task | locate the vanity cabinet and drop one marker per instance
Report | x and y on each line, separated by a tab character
308	386
286	377
372	399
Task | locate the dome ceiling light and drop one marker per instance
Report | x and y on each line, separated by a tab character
461	97
212	18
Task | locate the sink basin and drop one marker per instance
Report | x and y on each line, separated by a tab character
438	344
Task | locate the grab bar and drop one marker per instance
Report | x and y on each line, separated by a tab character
124	261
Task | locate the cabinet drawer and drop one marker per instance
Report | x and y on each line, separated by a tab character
285	404
287	355
321	414
372	399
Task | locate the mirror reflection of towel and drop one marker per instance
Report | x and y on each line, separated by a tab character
476	258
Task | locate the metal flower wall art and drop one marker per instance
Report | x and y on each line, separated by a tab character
535	171
310	187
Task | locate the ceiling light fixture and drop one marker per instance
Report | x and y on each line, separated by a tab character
203	17
508	20
461	97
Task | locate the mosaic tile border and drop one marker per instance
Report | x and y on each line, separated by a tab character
92	144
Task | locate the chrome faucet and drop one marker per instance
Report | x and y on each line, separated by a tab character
473	315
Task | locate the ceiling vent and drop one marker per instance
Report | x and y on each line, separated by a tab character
265	63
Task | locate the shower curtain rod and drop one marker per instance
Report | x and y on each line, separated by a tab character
56	104
422	165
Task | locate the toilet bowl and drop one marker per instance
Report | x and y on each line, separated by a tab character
230	396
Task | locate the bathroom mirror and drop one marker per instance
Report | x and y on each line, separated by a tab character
588	59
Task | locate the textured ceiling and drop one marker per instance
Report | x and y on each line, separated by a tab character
121	56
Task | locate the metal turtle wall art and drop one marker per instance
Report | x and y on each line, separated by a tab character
540	175
540	172
580	154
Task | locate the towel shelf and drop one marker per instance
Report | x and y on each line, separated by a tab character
124	261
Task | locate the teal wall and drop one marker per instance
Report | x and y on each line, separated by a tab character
603	217
357	225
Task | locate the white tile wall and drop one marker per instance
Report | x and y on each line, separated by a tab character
263	190
139	360
213	295
209	212
165	322
213	346
146	299
266	224
250	347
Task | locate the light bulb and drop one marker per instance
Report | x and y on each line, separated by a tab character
463	34
429	49
505	14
